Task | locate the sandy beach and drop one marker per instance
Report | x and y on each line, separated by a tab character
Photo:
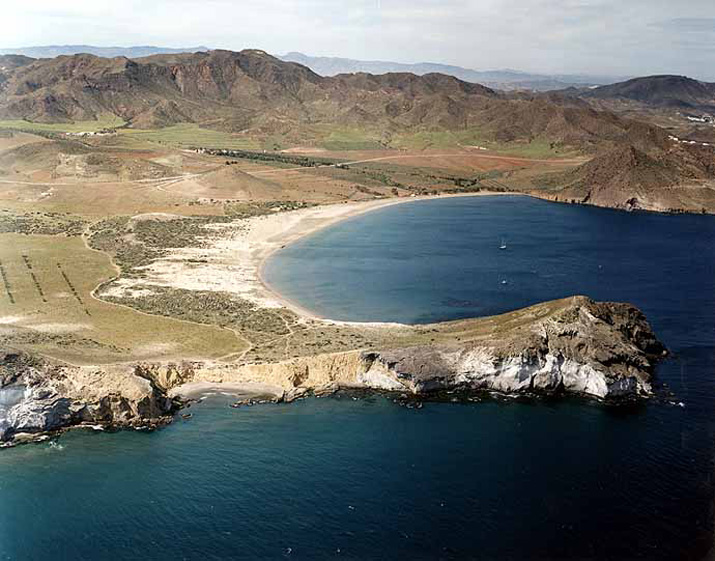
196	390
277	234
233	254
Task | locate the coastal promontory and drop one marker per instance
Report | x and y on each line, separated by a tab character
573	346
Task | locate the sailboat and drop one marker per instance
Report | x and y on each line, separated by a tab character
503	244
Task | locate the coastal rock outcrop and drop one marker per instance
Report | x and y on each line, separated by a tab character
571	346
603	350
37	397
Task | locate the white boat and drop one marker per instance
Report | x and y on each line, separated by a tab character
503	244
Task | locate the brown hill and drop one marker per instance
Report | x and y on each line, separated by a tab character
228	182
628	178
163	114
38	154
9	63
253	91
49	160
569	122
665	91
636	163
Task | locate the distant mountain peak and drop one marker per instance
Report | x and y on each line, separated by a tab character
52	51
661	90
505	79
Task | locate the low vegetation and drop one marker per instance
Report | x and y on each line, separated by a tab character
212	308
242	209
104	122
135	243
272	157
41	223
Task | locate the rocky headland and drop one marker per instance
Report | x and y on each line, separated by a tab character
574	346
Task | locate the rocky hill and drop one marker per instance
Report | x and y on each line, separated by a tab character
628	178
255	92
9	63
663	91
258	95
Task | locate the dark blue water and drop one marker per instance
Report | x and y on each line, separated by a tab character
367	479
440	259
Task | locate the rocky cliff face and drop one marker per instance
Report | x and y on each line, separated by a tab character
571	346
602	350
37	397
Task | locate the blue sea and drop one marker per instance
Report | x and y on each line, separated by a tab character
364	478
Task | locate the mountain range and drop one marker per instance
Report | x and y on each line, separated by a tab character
497	79
259	95
252	91
331	66
52	51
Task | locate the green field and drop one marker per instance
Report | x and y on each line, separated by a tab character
187	135
344	139
108	122
192	135
351	139
432	139
182	135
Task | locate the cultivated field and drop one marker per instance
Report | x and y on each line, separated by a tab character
46	306
189	135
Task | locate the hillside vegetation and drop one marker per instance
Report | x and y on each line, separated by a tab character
250	100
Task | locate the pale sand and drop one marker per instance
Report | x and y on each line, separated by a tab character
194	390
234	253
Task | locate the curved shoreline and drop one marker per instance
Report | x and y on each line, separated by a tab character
287	237
233	256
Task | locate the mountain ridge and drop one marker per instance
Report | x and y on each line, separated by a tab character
52	51
260	96
251	90
506	79
664	90
330	66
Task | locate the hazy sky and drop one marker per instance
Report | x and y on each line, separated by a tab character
621	37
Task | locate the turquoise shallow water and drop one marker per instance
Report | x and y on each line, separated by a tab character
367	479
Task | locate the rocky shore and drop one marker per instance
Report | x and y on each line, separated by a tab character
38	397
574	346
601	350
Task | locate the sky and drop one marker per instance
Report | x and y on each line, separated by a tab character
597	37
